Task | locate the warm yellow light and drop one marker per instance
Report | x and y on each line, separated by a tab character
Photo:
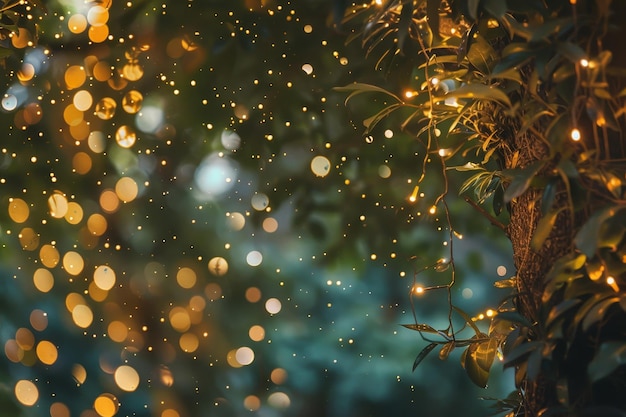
413	196
611	282
418	290
584	63
433	210
575	135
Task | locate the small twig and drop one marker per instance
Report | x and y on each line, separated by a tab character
486	214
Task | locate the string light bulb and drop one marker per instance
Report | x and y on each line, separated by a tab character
413	196
575	135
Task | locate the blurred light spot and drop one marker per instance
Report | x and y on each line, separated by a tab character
105	108
308	68
81	162
82	100
49	256
253	295
126	189
18	210
74	213
59	410
230	140
132	101
127	378
79	373
106	405
252	403
254	258
236	221
501	270
260	201
270	225
25	338
43	280
244	356
82	316
149	119
29	239
9	102
256	333
77	23
467	293
384	171
179	319
188	342
96	141
104	277
109	201
320	165
215	175
279	400
57	204
38	320
278	376
166	376
186	277
47	352
97	16
97	224
218	266
75	76
273	305
117	331
125	136
73	263
26	392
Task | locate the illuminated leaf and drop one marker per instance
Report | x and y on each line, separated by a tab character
596	312
478	360
421	328
359	88
446	349
587	239
480	91
544	227
521	181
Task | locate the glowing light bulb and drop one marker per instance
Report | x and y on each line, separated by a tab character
413	196
584	63
433	210
418	290
575	135
611	282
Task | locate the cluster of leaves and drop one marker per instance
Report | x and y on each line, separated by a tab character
524	98
13	17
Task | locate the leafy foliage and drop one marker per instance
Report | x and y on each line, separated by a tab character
525	100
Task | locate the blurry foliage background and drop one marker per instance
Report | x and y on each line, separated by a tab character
232	101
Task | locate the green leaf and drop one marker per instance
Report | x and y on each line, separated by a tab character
360	88
597	312
560	309
446	349
521	181
548	197
420	357
468	320
480	91
571	51
610	356
514	317
472	8
587	239
497	8
520	351
544	227
421	328
478	360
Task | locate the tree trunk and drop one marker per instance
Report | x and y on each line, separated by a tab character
532	266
